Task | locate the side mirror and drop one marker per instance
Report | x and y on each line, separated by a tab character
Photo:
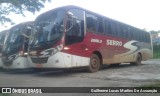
69	21
27	31
61	28
25	35
70	25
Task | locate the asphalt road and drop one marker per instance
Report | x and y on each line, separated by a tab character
110	76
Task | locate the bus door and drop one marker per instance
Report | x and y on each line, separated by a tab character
75	35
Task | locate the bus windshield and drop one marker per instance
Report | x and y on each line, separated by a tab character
48	27
1	38
14	40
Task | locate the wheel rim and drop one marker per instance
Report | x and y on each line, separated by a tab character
94	63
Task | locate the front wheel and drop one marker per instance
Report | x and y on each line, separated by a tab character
94	65
138	60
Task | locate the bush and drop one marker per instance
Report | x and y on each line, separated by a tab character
156	51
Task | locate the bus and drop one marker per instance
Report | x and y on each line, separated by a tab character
2	39
73	37
14	52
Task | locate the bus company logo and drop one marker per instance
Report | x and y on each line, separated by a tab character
96	40
114	43
51	51
12	57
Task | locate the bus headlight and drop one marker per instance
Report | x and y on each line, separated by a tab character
25	53
21	53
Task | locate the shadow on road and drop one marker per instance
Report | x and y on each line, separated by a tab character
124	65
80	70
65	72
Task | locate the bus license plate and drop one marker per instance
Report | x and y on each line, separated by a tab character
39	65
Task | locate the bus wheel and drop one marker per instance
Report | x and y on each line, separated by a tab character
94	65
138	60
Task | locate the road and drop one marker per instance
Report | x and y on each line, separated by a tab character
123	75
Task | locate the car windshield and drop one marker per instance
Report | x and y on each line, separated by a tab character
48	27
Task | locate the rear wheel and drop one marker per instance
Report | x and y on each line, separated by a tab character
95	64
138	60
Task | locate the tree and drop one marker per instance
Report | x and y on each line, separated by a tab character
155	33
155	37
18	7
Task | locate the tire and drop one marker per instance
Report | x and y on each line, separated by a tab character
138	60
95	64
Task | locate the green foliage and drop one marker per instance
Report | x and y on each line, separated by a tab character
156	51
156	84
154	32
18	7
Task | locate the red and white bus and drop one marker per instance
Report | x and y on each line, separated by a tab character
70	37
14	52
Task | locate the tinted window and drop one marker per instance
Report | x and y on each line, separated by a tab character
143	36
100	25
107	27
125	32
121	31
91	21
114	28
75	26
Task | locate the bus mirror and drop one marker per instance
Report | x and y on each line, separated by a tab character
70	26
61	28
28	31
70	21
25	35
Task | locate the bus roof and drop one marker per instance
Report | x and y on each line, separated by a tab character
23	23
73	6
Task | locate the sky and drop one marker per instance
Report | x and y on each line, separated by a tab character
138	13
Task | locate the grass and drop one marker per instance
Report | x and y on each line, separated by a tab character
157	84
156	54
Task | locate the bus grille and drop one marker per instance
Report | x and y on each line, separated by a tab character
39	60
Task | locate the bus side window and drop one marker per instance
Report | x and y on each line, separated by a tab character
143	36
107	27
121	31
114	29
131	34
91	21
100	25
125	32
75	26
118	30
